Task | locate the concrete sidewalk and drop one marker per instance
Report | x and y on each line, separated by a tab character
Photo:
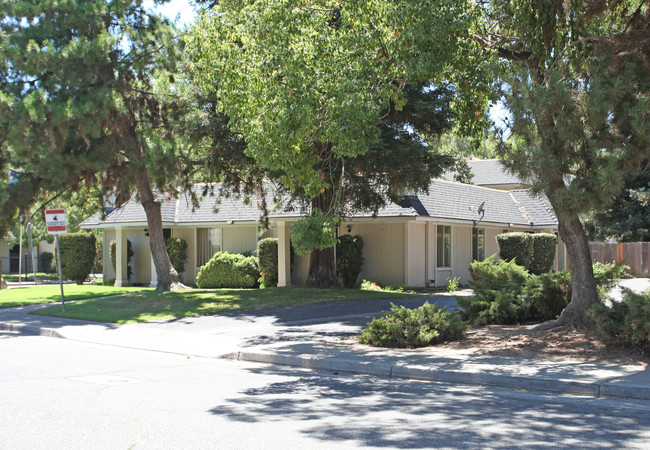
260	337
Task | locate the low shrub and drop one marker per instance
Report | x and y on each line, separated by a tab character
349	259
45	260
267	251
77	256
608	274
497	287
545	296
229	270
409	328
177	251
627	320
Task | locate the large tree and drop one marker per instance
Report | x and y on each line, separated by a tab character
87	96
310	84
575	81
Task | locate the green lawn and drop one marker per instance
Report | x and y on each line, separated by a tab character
30	277
156	305
52	293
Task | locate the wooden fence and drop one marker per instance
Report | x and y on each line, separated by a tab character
634	254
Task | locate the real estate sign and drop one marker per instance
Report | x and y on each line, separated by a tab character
55	221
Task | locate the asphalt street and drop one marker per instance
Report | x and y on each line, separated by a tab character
63	394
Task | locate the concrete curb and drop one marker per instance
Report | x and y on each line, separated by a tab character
385	370
30	330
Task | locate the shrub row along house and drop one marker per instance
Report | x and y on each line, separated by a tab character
423	240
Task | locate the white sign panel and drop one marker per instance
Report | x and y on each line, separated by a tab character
55	221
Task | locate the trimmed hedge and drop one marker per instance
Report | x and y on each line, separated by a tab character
349	259
543	254
45	260
229	270
267	251
535	252
77	256
177	251
409	328
517	247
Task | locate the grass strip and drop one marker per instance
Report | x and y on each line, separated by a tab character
160	305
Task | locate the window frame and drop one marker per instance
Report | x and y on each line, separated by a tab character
443	247
478	247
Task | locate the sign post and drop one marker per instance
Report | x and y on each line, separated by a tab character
55	222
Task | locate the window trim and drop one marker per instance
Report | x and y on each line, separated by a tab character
477	233
446	255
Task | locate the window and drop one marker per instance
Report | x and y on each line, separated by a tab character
444	245
167	233
214	239
209	242
478	244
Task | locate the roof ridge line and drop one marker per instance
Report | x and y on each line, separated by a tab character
522	210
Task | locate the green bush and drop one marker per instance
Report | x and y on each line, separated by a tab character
535	252
267	251
77	256
46	262
497	287
546	295
608	274
517	246
129	257
177	251
543	253
349	259
628	320
409	328
229	270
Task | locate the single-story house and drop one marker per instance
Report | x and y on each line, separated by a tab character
10	257
423	240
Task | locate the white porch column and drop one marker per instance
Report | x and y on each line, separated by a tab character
121	278
154	274
284	254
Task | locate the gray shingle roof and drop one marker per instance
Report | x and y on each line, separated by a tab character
488	172
445	200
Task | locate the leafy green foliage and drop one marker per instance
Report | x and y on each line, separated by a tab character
229	270
177	251
543	255
349	259
627	219
535	252
628	320
545	296
505	293
129	257
453	283
316	232
402	327
497	287
267	252
46	262
517	247
295	79
77	255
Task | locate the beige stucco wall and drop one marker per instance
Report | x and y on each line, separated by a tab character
109	271
300	270
416	268
384	250
141	263
461	252
4	257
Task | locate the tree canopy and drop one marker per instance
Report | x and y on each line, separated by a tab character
88	98
575	81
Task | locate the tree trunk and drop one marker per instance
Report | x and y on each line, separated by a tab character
322	263
167	275
583	284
